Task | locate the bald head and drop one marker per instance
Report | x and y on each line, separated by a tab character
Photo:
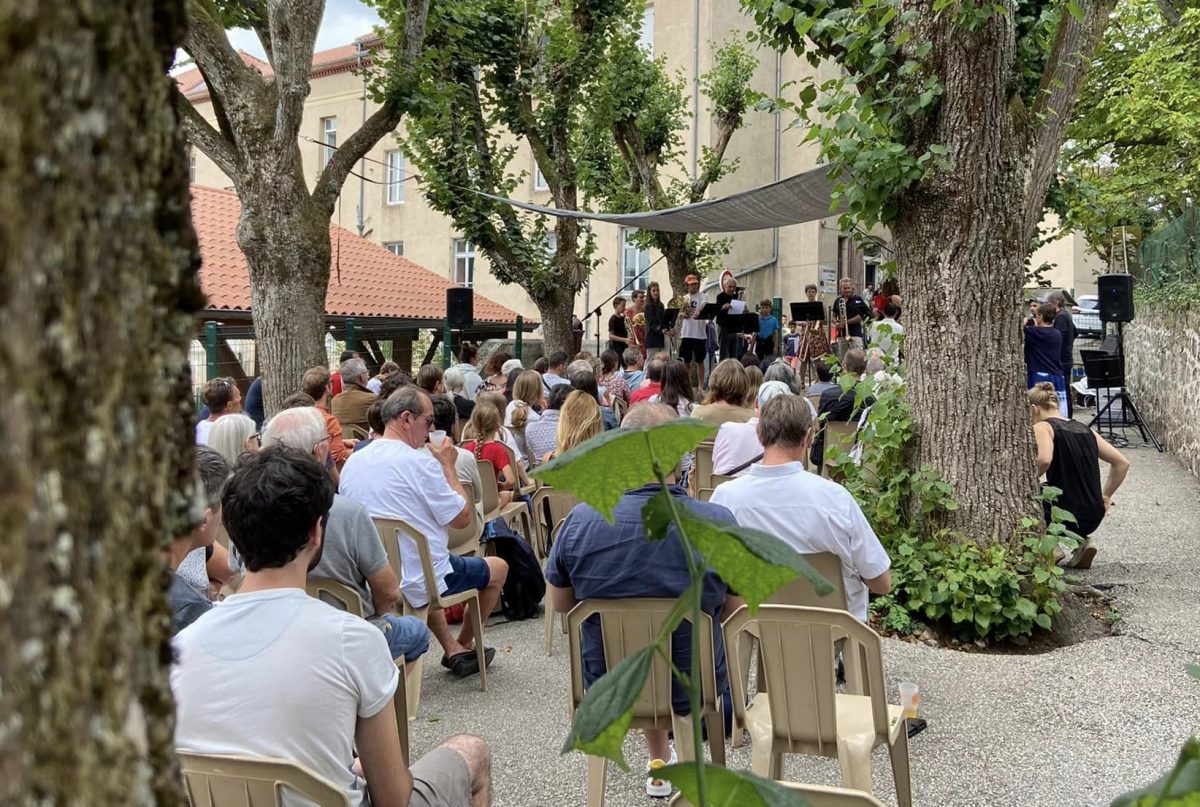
648	414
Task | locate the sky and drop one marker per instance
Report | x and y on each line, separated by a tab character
344	21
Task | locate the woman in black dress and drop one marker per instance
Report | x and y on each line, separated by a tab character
1068	453
656	312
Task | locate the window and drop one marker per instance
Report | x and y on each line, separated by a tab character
539	179
395	177
634	262
191	165
329	138
646	34
464	262
394	247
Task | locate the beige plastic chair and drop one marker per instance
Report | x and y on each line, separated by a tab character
390	531
235	781
802	713
627	626
550	508
840	433
702	468
339	595
619	407
715	481
465	540
515	510
815	796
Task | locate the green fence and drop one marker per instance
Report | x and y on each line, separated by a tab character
1171	253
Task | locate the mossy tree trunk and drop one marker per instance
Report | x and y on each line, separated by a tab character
98	299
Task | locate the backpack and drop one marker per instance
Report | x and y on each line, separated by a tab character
525	587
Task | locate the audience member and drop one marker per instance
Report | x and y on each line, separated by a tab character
455	383
1043	362
222	397
780	370
633	361
542	436
511	376
755	376
187	604
524	409
253	403
579	421
468	354
394	479
808	513
486	422
375	419
727	395
445	418
825	376
351	551
1068	453
750	359
556	373
542	365
275	673
583	379
736	445
316	385
386	371
653	381
232	436
336	380
887	334
612	381
1066	328
495	379
297	399
595	559
839	406
351	404
676	389
429	378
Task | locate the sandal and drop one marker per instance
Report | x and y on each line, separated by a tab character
466	663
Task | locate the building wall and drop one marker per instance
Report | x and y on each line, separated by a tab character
1162	349
783	260
1075	265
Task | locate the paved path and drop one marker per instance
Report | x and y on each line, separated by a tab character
1071	728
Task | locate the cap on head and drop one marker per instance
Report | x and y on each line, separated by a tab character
691	279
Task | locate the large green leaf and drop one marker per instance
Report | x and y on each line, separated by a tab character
603	717
753	563
602	469
1178	788
730	788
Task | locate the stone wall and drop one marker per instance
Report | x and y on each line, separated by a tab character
1162	348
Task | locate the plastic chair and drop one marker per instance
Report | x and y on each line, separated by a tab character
339	595
619	407
840	433
815	796
702	468
492	509
802	713
627	626
465	540
714	481
550	508
391	531
236	781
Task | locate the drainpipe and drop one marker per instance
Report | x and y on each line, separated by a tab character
695	88
362	163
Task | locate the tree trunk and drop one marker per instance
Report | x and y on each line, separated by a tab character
961	256
99	295
673	246
286	242
556	310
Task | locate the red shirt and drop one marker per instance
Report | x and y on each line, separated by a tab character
336	380
645	392
494	452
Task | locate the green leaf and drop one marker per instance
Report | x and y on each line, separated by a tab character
1059	514
808	94
753	563
1182	781
1043	620
606	712
602	469
1075	10
1193	670
730	788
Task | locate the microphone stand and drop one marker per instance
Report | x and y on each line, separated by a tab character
598	313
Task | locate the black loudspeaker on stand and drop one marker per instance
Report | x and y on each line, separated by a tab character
1106	369
460	307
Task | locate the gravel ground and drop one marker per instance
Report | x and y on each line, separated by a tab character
1076	726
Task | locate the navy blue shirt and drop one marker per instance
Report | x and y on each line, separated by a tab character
603	561
253	405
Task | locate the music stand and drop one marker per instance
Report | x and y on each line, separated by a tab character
670	316
745	323
808	312
709	311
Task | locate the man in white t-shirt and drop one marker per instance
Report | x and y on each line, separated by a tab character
272	672
394	478
736	446
887	334
693	336
807	512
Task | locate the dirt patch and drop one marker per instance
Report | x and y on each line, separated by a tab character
1087	613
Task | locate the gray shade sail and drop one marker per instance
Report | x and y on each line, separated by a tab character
803	197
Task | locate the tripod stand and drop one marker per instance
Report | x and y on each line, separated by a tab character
1110	375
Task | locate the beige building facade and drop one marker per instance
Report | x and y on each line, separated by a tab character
386	204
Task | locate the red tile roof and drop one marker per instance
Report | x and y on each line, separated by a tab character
373	282
324	63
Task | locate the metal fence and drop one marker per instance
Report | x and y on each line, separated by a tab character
1173	252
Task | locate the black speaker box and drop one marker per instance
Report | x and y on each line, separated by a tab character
460	308
1116	297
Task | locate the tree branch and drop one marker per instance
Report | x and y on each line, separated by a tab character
204	136
1061	81
293	28
726	126
227	77
1170	12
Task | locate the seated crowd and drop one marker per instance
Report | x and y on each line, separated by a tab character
299	498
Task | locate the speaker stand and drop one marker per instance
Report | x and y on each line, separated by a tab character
1128	407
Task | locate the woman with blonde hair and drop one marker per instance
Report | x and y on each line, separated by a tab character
579	421
728	391
1068	453
526	405
232	436
486	423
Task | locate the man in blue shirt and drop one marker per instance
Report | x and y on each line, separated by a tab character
592	559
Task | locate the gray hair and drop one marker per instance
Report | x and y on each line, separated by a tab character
630	356
212	471
780	371
409	398
579	366
648	414
229	435
454	380
301	428
785	421
352	369
510	365
874	365
771	389
1056	299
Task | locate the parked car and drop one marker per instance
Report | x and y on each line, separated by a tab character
1086	315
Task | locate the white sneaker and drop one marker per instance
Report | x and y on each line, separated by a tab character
658	788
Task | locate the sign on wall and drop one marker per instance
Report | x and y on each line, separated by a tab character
827	279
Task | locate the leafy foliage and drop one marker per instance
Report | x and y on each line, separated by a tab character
1178	788
754	563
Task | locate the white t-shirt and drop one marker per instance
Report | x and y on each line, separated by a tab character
203	427
394	480
811	515
375	385
280	674
532	416
693	328
735	444
887	335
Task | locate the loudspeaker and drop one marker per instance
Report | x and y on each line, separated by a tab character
1116	297
460	307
